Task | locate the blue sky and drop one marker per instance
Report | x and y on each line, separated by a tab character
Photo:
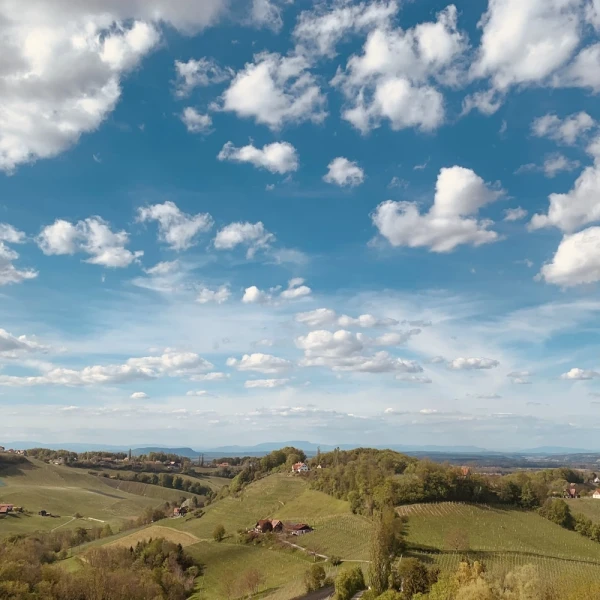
347	222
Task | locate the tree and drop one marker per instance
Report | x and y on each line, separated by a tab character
458	540
348	583
558	512
252	580
314	578
411	576
528	498
386	543
219	533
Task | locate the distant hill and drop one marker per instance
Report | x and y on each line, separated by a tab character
555	450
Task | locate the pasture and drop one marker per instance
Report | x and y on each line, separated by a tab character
590	507
64	492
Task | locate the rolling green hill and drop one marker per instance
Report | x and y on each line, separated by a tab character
63	492
589	507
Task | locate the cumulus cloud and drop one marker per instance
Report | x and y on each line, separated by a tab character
514	214
261	363
576	374
68	81
564	131
253	295
344	172
583	71
558	163
197	393
266	13
200	72
196	122
295	290
218	296
317	318
576	261
470	364
175	228
8	272
93	236
394	78
460	193
525	42
319	30
12	346
139	396
275	90
252	235
278	157
265	383
341	351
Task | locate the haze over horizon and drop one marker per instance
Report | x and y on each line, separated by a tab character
366	222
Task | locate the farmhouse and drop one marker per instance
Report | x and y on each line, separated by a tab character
299	528
268	525
571	492
596	494
2	448
5	509
300	467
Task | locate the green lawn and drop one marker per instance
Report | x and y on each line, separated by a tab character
64	491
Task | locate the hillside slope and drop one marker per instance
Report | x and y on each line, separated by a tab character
63	492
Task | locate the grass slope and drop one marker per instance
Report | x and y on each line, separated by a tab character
64	491
145	489
589	507
503	539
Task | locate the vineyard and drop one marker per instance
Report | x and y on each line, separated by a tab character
503	539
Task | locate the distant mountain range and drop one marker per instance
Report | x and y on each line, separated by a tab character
309	447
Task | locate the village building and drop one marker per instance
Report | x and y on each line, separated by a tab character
300	467
5	509
596	494
571	492
2	448
299	529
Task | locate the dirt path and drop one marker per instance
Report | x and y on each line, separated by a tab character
304	550
72	519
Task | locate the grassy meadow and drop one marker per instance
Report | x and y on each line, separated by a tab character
590	507
63	492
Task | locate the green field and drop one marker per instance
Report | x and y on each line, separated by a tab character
63	491
503	539
589	507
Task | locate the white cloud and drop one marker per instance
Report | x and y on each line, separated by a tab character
198	73
196	122
525	42
92	236
296	289
565	131
265	13
520	374
64	63
323	316
197	393
278	157
420	379
323	343
275	90
253	235
215	376
469	364
265	383
163	268
557	163
583	71
261	363
219	295
8	272
139	396
576	374
344	172
317	318
576	208
393	77
459	193
175	228
12	346
576	261
380	362
253	295
514	214
171	363
318	31
487	102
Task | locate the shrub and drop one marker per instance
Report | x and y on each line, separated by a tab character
348	583
335	560
314	578
219	533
